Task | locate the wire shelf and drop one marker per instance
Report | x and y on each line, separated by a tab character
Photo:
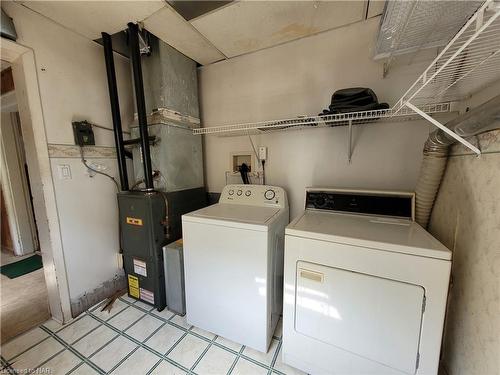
468	63
409	26
314	122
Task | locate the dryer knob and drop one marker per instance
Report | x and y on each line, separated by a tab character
320	201
239	192
269	194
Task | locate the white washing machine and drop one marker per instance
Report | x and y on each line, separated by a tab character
233	264
365	286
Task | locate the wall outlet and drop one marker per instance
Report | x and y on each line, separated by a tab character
64	171
262	152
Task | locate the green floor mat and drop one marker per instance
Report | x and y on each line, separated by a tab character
22	267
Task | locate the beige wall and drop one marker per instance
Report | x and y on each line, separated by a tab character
72	83
298	78
466	218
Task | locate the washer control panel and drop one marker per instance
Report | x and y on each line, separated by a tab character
254	195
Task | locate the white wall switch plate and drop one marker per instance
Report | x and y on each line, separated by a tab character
64	171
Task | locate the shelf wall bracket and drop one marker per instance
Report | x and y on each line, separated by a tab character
443	128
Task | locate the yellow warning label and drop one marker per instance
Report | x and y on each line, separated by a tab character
133	286
134	221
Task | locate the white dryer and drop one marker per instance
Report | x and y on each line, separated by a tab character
365	286
233	264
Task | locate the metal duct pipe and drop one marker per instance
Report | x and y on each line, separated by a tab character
484	118
135	56
7	28
115	110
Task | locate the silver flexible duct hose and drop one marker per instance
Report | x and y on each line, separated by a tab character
484	118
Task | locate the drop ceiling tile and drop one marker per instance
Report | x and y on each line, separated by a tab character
249	26
90	18
170	27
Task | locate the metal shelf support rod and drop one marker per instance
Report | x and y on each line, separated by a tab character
443	128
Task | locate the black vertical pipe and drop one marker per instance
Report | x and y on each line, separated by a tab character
115	110
135	56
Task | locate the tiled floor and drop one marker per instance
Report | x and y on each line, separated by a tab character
135	339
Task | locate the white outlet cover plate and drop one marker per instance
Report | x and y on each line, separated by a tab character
64	171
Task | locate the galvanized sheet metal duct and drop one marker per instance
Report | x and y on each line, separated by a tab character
7	28
484	118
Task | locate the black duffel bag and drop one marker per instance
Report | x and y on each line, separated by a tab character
354	99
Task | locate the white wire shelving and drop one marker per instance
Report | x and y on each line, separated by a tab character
314	122
468	63
328	121
411	26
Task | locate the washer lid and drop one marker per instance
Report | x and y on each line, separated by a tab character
397	235
235	213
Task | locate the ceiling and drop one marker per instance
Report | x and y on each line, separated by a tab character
209	31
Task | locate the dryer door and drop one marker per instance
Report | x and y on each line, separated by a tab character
376	318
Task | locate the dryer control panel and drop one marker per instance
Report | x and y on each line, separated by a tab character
369	202
254	195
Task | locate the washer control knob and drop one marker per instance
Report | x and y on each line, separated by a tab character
269	194
239	192
248	193
231	192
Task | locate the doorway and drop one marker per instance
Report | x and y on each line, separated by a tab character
23	293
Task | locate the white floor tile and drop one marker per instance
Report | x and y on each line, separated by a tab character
144	306
166	368
79	328
126	318
36	355
21	343
61	363
202	332
229	344
216	361
115	309
144	328
95	340
114	352
140	362
284	368
165	338
265	358
84	369
53	325
188	350
164	314
244	367
181	321
128	299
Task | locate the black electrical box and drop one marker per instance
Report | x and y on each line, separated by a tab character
142	230
84	135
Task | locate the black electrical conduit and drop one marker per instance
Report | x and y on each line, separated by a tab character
115	111
135	56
